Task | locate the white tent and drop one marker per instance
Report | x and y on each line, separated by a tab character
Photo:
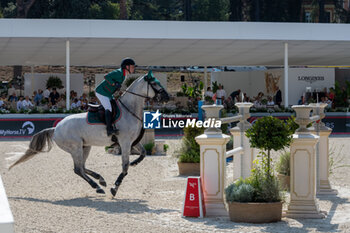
169	43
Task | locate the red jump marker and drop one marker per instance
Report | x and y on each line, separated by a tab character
194	202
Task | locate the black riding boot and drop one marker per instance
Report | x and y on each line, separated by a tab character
110	129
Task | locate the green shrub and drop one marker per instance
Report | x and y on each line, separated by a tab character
165	147
269	133
190	150
283	164
239	192
149	147
54	81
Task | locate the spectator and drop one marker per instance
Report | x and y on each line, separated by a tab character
61	103
26	104
301	100
235	95
20	104
278	97
93	100
47	93
13	97
11	89
221	93
38	97
209	92
270	102
54	96
76	104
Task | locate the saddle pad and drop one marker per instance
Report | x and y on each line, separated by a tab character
94	118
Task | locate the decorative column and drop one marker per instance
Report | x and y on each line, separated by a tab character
323	186
242	163
213	164
303	202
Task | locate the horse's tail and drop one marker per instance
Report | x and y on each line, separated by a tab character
37	144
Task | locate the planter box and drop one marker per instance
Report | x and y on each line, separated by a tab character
284	181
255	212
189	169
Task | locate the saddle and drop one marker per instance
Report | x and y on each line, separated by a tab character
96	113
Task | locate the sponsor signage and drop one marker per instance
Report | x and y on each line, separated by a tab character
25	127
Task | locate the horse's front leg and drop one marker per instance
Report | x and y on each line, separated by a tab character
125	165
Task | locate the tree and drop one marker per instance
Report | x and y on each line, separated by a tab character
23	7
123	12
269	133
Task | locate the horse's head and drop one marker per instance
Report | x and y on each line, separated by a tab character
159	93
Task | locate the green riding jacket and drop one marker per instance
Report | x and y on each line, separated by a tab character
109	85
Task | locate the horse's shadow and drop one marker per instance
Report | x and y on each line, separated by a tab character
130	206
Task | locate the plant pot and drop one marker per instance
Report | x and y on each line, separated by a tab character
258	212
284	181
189	169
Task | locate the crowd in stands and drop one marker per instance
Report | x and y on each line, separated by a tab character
50	98
262	101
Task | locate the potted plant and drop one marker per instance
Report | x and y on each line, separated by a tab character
54	81
189	156
283	170
149	148
264	202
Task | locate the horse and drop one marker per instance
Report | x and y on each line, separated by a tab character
74	135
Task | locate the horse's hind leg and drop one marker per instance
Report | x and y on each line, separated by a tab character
79	169
86	151
142	152
125	161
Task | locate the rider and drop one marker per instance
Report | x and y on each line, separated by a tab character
111	83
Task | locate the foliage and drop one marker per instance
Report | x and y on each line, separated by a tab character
340	95
257	188
336	160
54	81
195	91
292	125
283	164
209	100
215	86
149	147
165	147
190	150
269	133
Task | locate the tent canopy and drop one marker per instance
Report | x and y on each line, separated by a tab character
171	43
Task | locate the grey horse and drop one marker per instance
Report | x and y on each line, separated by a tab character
74	135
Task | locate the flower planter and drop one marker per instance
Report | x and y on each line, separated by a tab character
189	169
252	212
284	181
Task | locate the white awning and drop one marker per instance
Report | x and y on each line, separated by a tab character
171	43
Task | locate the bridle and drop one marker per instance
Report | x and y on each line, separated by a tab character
146	97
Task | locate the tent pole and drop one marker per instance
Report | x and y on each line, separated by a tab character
286	104
205	81
67	75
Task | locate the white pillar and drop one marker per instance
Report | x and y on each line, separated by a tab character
67	75
213	165
242	163
303	202
205	83
322	158
286	103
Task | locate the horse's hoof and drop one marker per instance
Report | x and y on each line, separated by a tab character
103	183
113	191
133	164
101	191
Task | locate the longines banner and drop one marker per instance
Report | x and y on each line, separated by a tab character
25	127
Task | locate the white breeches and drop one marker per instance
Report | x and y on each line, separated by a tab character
104	101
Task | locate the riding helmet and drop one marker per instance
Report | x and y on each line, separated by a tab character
127	62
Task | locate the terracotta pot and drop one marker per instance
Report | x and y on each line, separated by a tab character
258	212
284	181
189	169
